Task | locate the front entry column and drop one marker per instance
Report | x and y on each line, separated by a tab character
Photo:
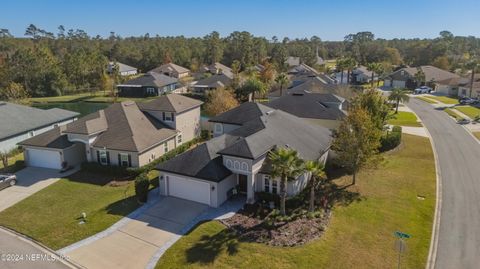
251	188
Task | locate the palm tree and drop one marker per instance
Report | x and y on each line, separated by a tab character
472	65
317	177
350	64
252	86
287	165
282	80
341	67
373	67
399	95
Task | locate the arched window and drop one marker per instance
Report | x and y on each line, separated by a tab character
236	165
244	166
229	163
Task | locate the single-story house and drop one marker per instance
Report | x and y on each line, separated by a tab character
20	122
325	109
150	84
217	68
303	69
460	87
238	157
317	84
123	134
212	82
172	70
292	61
405	77
123	69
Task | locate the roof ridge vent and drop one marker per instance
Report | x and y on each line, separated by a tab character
269	112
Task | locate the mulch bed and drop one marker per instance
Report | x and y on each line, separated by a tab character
293	233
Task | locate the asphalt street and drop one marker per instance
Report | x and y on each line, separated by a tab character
459	166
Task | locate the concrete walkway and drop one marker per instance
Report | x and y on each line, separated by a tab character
29	181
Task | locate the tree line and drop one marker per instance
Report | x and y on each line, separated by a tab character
70	61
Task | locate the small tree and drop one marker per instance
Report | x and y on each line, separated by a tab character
141	187
419	77
281	80
219	101
376	106
398	95
356	141
251	87
373	67
13	92
287	165
317	177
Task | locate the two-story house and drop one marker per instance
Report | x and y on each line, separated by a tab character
124	134
238	157
150	84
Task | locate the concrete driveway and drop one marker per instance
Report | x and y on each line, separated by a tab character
29	181
133	244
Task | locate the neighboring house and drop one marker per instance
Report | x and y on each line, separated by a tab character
300	84
302	69
325	109
459	87
123	69
292	61
361	74
18	122
150	84
212	82
218	68
239	157
123	134
172	70
405	77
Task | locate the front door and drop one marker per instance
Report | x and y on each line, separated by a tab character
242	183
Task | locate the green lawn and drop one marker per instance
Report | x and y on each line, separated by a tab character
444	99
62	99
404	118
470	111
425	99
360	235
51	215
452	114
109	99
15	163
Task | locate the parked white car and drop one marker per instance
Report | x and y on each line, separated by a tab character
422	89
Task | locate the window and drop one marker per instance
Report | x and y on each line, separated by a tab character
151	90
103	156
124	159
218	128
31	133
55	125
266	183
179	138
153	156
167	116
274	186
165	147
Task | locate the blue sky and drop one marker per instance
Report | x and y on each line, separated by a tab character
330	20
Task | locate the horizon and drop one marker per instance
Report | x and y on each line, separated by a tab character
170	19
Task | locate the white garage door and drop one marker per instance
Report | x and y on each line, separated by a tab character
398	84
44	158
189	189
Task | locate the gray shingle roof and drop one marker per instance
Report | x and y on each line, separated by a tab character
217	68
170	68
50	139
241	114
151	79
214	80
310	105
17	119
309	84
254	139
431	73
122	67
171	103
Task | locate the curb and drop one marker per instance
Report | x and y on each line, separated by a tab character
40	246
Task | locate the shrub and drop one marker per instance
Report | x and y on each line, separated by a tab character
141	187
268	197
391	139
118	171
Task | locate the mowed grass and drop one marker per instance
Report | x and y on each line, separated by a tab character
425	99
360	235
109	99
444	99
51	215
404	118
470	111
452	113
64	98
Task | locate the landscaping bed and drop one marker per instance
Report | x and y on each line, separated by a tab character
252	226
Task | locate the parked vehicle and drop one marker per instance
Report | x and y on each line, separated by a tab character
7	180
463	121
467	101
422	89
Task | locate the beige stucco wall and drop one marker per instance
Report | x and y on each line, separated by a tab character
159	150
188	123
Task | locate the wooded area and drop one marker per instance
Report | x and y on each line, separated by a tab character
71	61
